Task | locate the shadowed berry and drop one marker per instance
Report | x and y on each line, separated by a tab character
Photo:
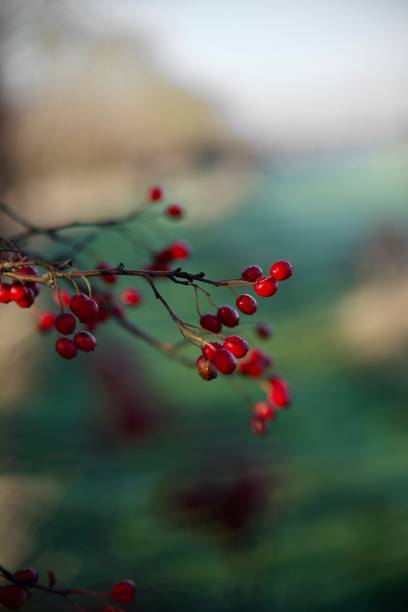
258	426
66	348
123	591
110	279
206	369
236	345
225	361
65	323
174	211
12	596
265	287
85	341
263	330
246	304
228	316
28	299
211	323
28	575
281	270
131	297
251	273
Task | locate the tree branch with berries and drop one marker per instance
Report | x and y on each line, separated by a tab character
86	298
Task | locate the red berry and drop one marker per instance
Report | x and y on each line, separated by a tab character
107	278
279	393
123	591
155	193
206	369
18	292
12	596
258	426
131	297
211	323
246	303
263	330
251	273
45	321
27	575
265	287
61	298
65	323
28	299
236	345
263	411
179	250
85	341
225	361
228	316
210	349
66	348
84	307
281	270
174	211
255	364
5	296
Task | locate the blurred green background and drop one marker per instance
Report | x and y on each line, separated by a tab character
125	464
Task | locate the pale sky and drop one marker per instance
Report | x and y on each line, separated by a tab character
283	71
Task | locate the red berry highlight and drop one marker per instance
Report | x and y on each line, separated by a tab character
28	299
279	392
246	304
228	316
131	297
265	287
65	323
236	345
18	293
210	349
66	348
211	323
225	361
179	250
85	341
5	296
155	193
263	411
281	270
251	273
123	591
45	321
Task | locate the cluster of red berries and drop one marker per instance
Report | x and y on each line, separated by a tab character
90	311
23	294
24	582
222	357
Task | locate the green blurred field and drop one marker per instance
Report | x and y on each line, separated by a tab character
335	534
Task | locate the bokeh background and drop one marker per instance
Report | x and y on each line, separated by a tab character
281	127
